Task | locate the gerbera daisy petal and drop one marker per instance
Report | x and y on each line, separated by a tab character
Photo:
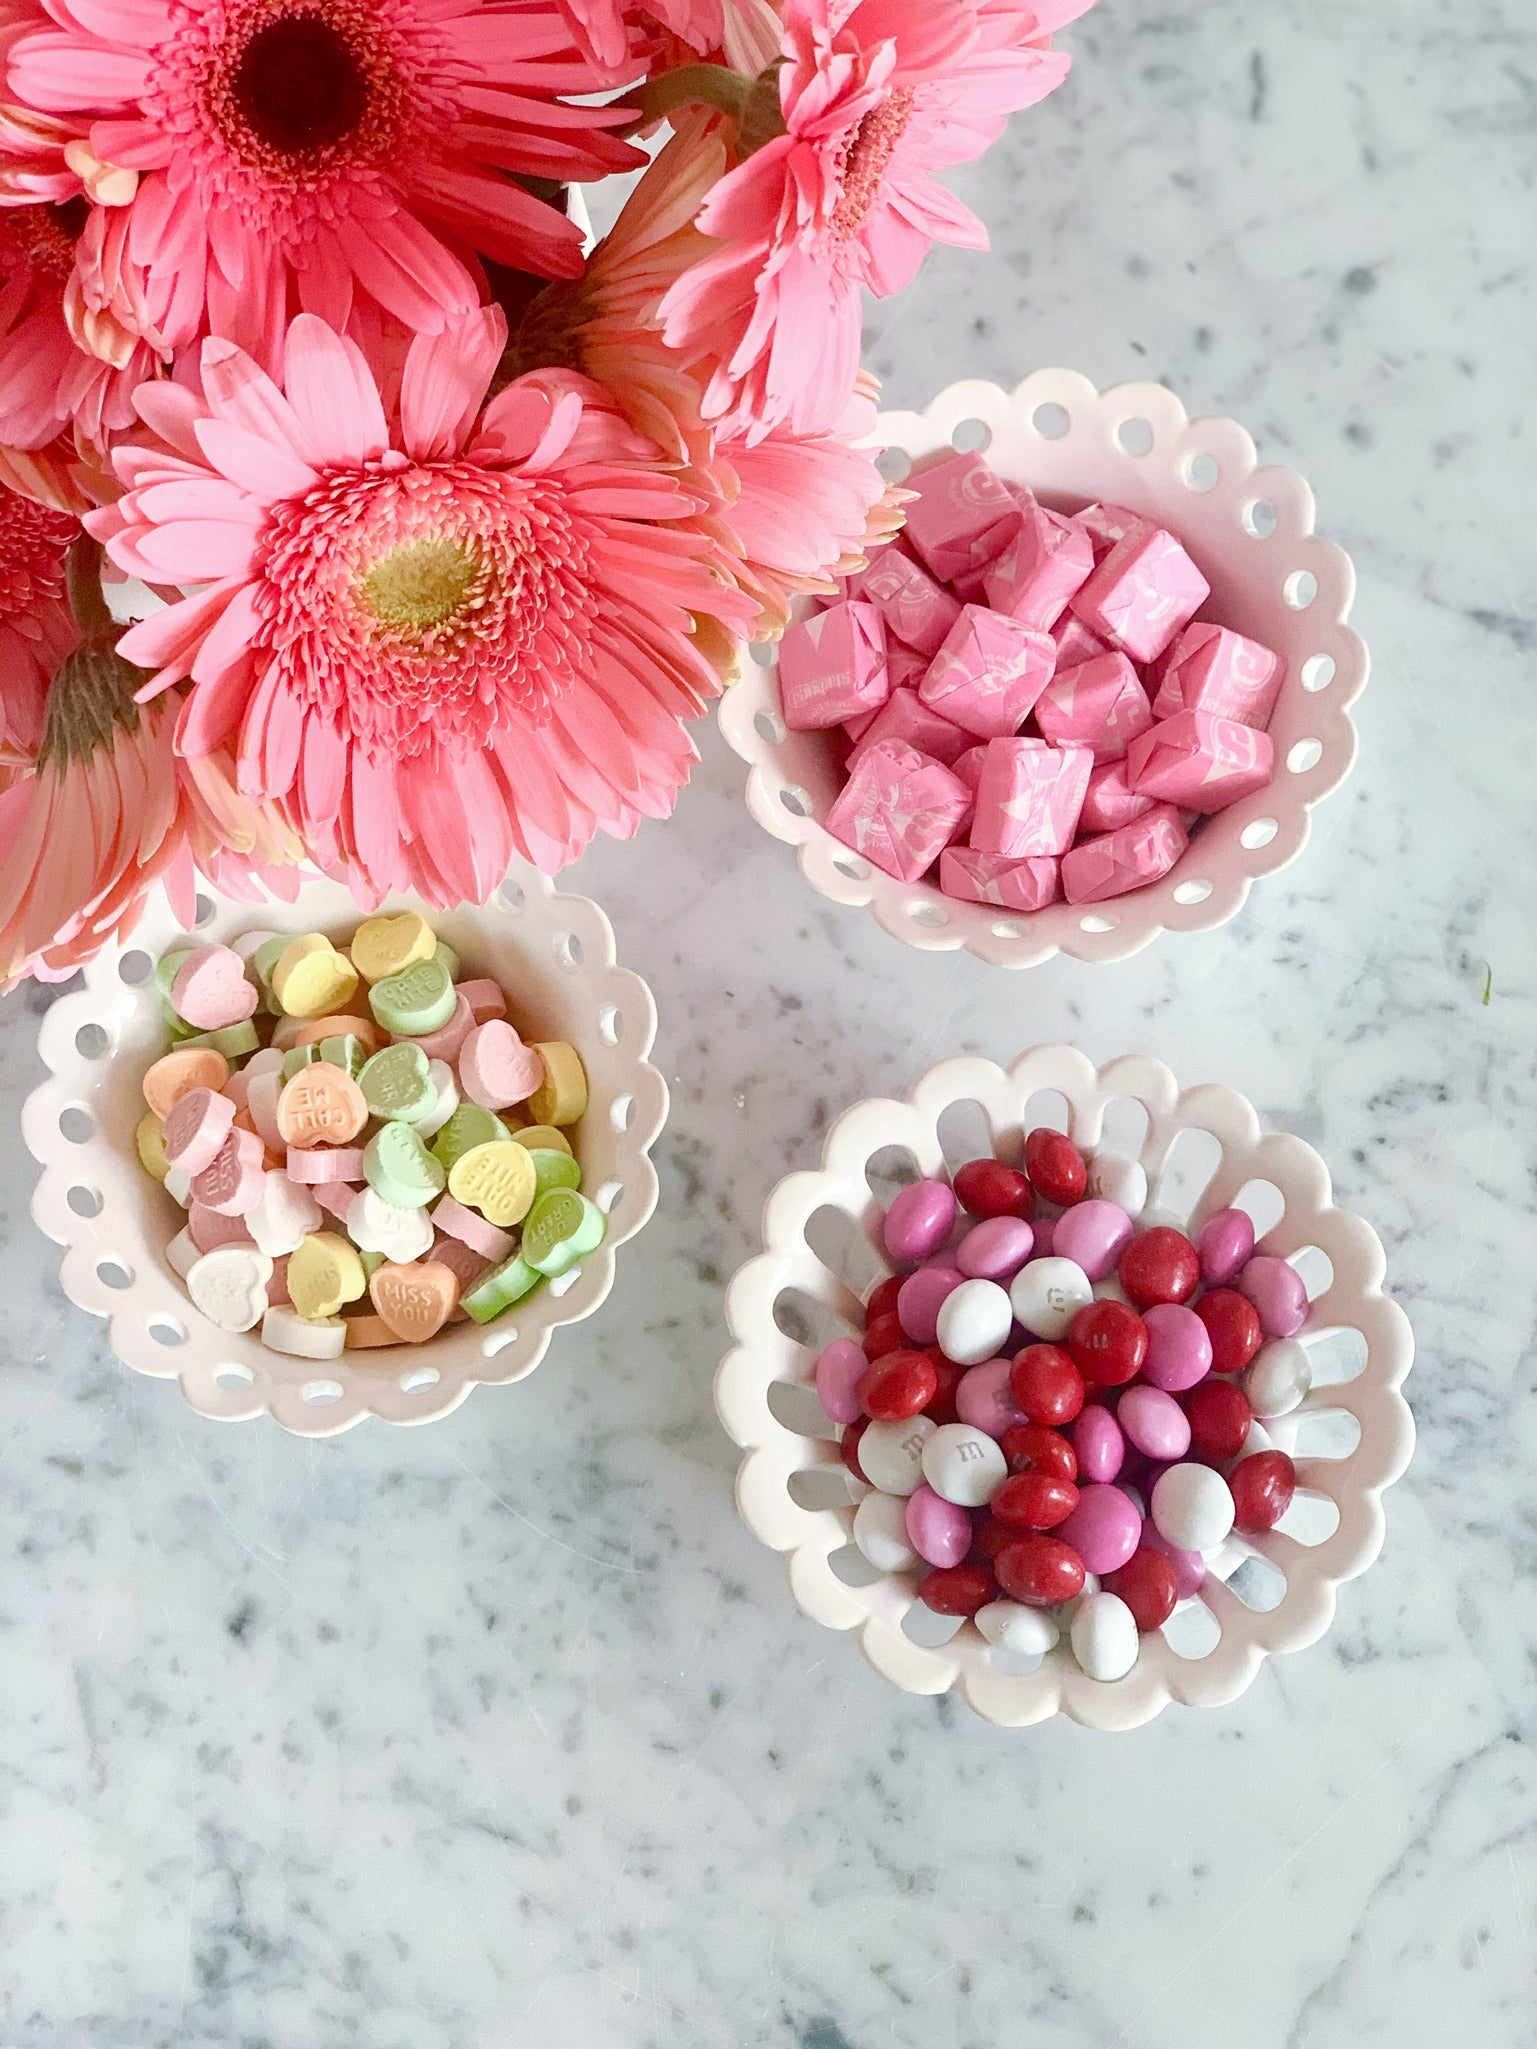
445	382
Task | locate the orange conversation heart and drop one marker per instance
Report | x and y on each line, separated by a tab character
321	1105
416	1300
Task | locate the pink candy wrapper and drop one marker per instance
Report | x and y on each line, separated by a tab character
1100	704
1199	762
904	716
989	673
1106	524
1142	593
1212	669
1125	859
1075	643
1029	798
961	517
898	809
914	607
990	879
1040	568
832	666
1111	801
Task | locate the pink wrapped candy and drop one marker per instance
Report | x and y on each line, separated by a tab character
832	666
1029	798
1105	524
1134	854
1040	568
1100	705
975	878
961	517
989	672
1212	669
1199	762
898	808
1075	643
1142	593
904	716
917	610
1110	802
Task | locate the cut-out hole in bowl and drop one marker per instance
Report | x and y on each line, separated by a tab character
203	911
1259	1584
510	897
851	866
167	1330
419	1379
621	1112
798	1409
1324	1433
920	1625
608	1195
1317	672
819	1487
321	1393
233	1374
92	1041
894	464
1135	436
76	1123
1196	891
497	1339
1312	1518
1046	1107
135	968
888	1170
770	727
114	1273
1051	421
564	1283
838	1240
1014	1664
1124	1128
1008	928
1259	832
796	800
1098	921
569	950
1188	1166
1263	1203
84	1200
765	654
1316	1268
1192	1631
1201	472
1259	518
964	1133
1304	755
807	1320
1300	589
610	1025
850	1565
970	437
1336	1356
923	911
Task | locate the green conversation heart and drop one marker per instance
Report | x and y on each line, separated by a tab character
396	1083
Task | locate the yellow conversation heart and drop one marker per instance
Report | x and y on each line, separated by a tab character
383	946
497	1178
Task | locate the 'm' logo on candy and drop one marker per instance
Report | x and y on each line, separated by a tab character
968	1452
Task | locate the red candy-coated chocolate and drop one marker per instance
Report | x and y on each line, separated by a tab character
1039	1570
989	1536
1146	1584
848	1447
958	1589
1047	1385
1107	1343
884	1334
1233	1325
1034	1501
896	1385
1056	1167
947	1378
1033	1448
1219	1417
883	1300
1263	1485
989	1188
1160	1266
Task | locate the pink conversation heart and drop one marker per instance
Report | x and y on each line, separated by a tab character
496	1068
210	989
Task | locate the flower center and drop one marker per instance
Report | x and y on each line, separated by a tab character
34	540
865	163
298	89
421	585
43	236
298	85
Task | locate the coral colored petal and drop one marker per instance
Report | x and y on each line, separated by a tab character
266	469
333	394
446	377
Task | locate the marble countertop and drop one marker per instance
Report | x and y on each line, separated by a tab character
505	1732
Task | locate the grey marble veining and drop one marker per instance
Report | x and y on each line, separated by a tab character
504	1732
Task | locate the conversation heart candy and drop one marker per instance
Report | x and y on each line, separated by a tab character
472	1229
149	1142
552	1169
263	1093
382	947
177	1073
446	1041
561	1098
500	1288
320	1166
468	1126
416	1300
498	1179
546	1136
207	1228
196	1128
323	1273
368	1333
485	998
496	1069
283	1216
559	1230
232	1041
229	1285
310	978
398	1083
232	1181
446	1089
418	1000
210	989
400	1168
386	1229
285	1330
343	1024
321	1105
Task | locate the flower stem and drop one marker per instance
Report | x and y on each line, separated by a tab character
83	584
712	84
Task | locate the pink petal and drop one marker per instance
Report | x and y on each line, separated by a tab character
445	380
334	396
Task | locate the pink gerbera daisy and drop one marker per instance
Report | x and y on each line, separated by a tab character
875	97
435	640
241	148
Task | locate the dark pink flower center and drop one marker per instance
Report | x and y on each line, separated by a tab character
867	159
34	540
298	89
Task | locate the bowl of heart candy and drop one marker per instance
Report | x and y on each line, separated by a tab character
323	1165
1082	1416
1092	691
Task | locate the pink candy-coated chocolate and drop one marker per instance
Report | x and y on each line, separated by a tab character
989	673
832	666
210	989
496	1069
975	878
919	1220
1104	1529
1099	704
1111	802
904	716
1098	1443
838	1373
961	516
1125	859
485	998
919	1299
1092	1235
233	1179
1142	593
1225	1243
445	1043
1154	1422
984	1399
1199	762
1178	1348
1212	669
1277	1292
898	809
1189	1566
196	1129
1039	569
917	610
938	1530
1029	798
995	1249
472	1229
1105	524
313	1165
210	1227
335	1197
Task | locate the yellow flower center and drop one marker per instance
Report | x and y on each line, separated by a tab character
421	585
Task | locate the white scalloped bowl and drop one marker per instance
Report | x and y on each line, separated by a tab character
1251	532
554	953
1264	1594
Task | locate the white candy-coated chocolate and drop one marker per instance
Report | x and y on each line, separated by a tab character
1011	1626
1277	1377
1047	1294
891	1454
880	1531
284	1217
229	1285
1115	1178
178	1185
285	1330
1192	1507
181	1254
375	1225
973	1322
441	1075
1104	1637
962	1464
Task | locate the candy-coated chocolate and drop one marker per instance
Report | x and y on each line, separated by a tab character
1099	1443
1189	1566
919	1220
1179	1349
1225	1243
1104	1526
983	1398
938	1530
1232	1327
1108	1343
1047	1385
891	1454
838	1371
1034	1501
1093	1234
1046	1294
883	1297
1146	1583
1056	1167
1263	1486
880	1531
1219	1416
1275	1288
896	1385
921	1297
1192	1507
963	1464
957	1589
196	1128
1034	1448
1038	1570
1117	1179
995	1249
973	1322
883	1334
1277	1378
1010	1626
385	946
1154	1422
848	1447
1159	1265
991	1188
561	1098
1104	1637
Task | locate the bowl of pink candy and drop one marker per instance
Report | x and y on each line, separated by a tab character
1092	691
1066	1389
324	1166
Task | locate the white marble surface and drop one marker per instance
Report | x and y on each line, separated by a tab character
505	1732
